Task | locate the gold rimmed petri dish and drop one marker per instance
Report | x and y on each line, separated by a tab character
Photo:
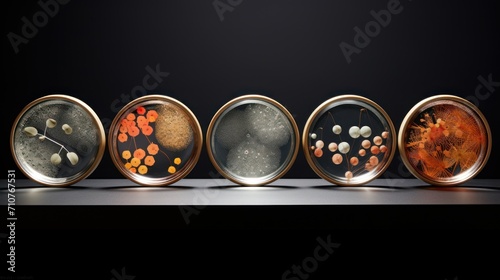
349	140
444	140
57	140
155	140
252	140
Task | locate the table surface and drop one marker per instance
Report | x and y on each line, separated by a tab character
281	192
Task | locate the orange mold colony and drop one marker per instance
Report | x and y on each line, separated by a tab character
137	159
444	141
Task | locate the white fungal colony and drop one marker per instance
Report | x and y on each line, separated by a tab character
354	132
337	129
365	131
253	138
344	147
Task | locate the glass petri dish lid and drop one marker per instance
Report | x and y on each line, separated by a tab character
444	140
155	140
349	140
252	140
57	140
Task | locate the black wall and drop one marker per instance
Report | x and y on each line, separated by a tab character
287	50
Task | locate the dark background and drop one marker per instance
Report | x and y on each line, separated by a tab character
287	50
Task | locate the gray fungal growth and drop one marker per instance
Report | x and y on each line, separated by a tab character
253	159
51	151
268	125
55	159
232	129
252	136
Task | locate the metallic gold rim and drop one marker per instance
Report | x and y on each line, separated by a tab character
235	101
417	109
142	180
96	121
325	105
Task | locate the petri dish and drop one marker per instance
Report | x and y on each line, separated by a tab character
444	140
252	140
155	140
349	140
57	140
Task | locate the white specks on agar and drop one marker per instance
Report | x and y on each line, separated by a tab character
253	159
253	137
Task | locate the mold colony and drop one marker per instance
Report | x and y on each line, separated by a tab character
76	138
252	140
443	140
155	140
348	140
57	140
150	132
353	150
55	158
253	134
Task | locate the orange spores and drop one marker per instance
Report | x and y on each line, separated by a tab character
153	149
147	130
126	154
445	142
142	121
123	128
131	117
135	162
152	115
141	110
133	131
143	169
177	160
122	137
149	161
139	153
